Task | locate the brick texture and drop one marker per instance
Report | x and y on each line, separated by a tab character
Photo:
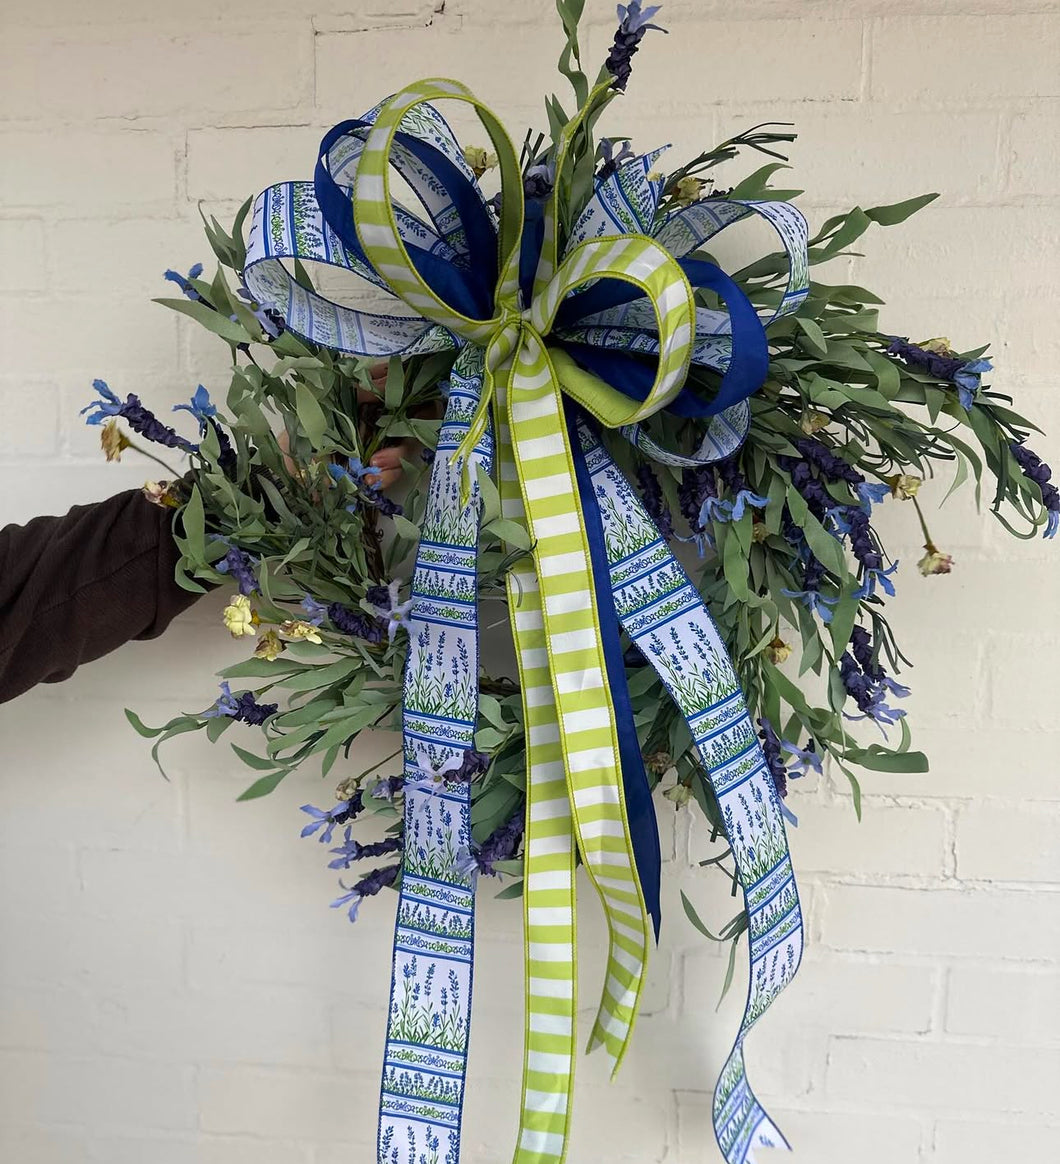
173	989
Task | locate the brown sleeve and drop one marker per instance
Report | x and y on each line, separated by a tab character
74	588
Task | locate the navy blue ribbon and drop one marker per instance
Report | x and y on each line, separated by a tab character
467	289
640	810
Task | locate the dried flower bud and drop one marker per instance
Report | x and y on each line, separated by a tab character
680	794
935	562
113	441
479	159
688	190
813	421
658	762
347	789
904	486
269	646
778	651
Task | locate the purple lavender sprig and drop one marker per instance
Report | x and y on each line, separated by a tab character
139	418
352	850
329	819
965	375
368	886
867	683
1036	470
651	492
239	566
771	747
633	25
355	623
500	845
243	707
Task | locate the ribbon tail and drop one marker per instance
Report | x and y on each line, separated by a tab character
663	613
422	1094
640	809
549	918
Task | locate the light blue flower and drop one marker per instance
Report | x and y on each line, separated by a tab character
200	406
876	576
745	498
805	758
633	18
315	611
226	704
967	378
351	898
184	281
815	602
109	406
872	494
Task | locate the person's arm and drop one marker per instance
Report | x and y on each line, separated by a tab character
74	588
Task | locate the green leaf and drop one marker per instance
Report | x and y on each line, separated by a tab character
826	548
254	761
395	384
510	531
510	891
310	414
813	336
212	320
263	786
407	530
899	211
193	519
142	728
878	759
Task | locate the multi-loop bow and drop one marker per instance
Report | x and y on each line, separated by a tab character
543	309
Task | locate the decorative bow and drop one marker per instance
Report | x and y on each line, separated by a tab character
538	317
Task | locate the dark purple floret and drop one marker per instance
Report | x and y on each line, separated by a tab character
239	566
500	845
226	458
376	880
1036	470
354	622
771	749
427	455
250	711
732	478
378	596
859	686
651	492
695	487
472	764
352	850
627	40
831	465
861	648
385	506
862	540
941	367
817	497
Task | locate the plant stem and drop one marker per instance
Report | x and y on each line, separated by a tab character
151	457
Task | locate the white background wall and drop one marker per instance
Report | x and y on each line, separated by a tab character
173	988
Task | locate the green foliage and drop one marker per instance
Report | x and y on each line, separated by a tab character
293	412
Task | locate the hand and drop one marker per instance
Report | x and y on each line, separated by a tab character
388	460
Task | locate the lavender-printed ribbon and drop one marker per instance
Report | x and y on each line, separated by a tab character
666	618
430	991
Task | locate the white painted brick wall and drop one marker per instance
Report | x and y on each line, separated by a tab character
173	989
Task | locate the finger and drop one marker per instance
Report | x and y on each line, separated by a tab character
388	462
